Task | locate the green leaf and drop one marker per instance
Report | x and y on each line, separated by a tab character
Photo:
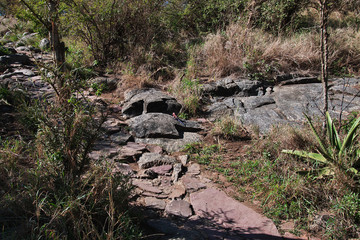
308	155
332	133
350	137
324	151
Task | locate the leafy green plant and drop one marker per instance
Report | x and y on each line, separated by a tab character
190	93
335	154
4	51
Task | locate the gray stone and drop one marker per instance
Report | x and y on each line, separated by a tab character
230	86
44	44
148	160
192	184
154	148
194	169
131	152
122	168
149	100
179	208
183	159
209	204
105	83
176	172
155	203
25	72
112	125
160	125
121	138
146	186
22	49
172	145
154	125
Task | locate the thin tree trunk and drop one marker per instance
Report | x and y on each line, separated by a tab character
324	52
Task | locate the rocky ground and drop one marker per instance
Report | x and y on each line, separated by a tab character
142	139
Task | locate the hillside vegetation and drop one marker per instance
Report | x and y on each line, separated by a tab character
51	189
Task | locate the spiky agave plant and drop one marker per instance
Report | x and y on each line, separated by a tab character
334	154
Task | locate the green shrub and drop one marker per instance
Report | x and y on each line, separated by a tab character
229	128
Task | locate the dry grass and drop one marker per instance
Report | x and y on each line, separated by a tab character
246	51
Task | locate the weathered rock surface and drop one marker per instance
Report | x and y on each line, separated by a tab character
231	86
192	184
179	208
146	186
149	101
209	204
162	170
172	145
131	152
123	168
194	169
121	138
148	160
153	202
160	125
287	103
154	125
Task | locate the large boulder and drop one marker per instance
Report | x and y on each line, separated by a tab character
149	101
287	102
154	125
160	125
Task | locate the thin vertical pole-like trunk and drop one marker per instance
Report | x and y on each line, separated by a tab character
324	52
56	44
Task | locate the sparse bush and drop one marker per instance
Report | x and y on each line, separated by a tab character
188	91
230	128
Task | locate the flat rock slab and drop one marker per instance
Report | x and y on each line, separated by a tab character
194	169
153	202
121	138
146	186
178	191
214	205
179	208
162	170
172	145
112	125
148	160
131	151
192	184
122	168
